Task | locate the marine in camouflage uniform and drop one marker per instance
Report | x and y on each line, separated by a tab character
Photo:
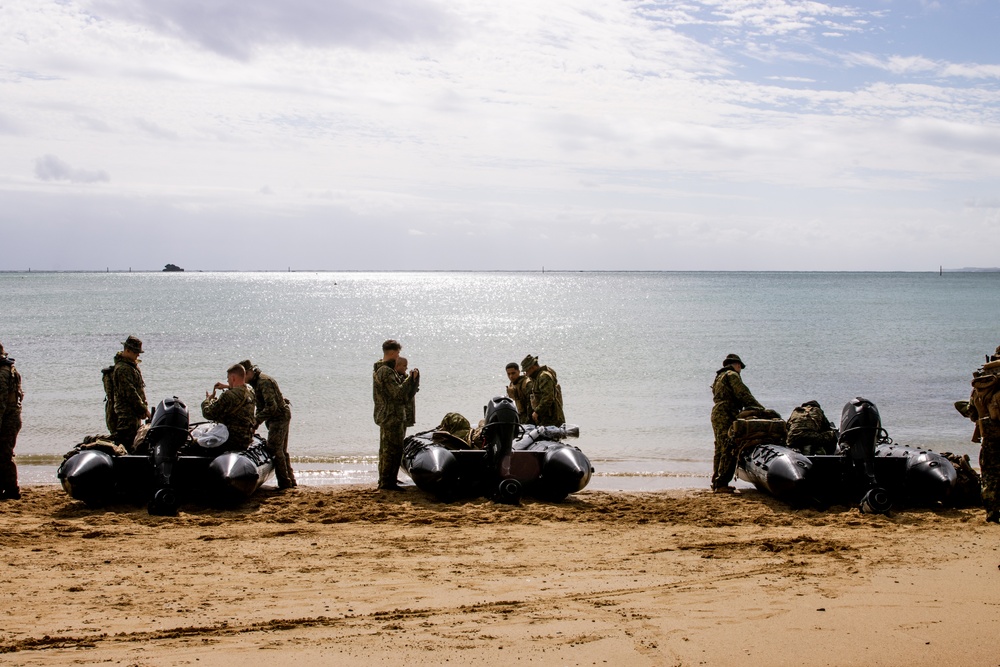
130	405
809	431
234	408
275	412
984	409
411	400
11	396
731	397
545	394
390	395
519	389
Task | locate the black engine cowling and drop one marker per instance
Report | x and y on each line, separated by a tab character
168	432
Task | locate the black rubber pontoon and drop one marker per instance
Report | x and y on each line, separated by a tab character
868	470
175	468
518	460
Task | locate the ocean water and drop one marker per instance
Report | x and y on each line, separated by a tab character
635	352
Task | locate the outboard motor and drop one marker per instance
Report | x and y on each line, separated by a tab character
860	425
168	432
500	430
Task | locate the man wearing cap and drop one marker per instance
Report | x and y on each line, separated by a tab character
545	394
275	412
390	395
731	397
234	408
519	389
11	396
129	394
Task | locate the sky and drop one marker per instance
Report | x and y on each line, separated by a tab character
516	135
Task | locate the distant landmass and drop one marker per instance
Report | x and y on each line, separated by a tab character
974	269
172	267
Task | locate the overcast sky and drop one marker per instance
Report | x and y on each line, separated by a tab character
456	134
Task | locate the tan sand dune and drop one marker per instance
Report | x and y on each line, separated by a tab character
325	576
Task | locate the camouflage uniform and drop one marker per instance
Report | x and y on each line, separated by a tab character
130	400
234	409
10	424
390	395
520	391
545	397
809	431
274	412
410	409
985	402
731	397
457	425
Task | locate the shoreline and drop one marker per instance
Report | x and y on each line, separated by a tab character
317	476
351	575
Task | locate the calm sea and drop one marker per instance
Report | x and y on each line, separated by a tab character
635	352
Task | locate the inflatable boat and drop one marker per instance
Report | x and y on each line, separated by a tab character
517	460
176	466
868	470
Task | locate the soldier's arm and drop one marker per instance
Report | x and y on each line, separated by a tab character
127	394
218	408
742	393
5	388
272	407
545	388
392	388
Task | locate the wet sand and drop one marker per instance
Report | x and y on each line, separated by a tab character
334	575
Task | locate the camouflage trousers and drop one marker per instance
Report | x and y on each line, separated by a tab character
989	469
125	430
110	419
277	447
724	462
390	452
9	428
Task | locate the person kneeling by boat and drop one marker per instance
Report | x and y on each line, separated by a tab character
809	431
234	409
458	426
731	397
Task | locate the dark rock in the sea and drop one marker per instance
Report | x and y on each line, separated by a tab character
172	267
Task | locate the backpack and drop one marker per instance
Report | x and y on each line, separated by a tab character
109	388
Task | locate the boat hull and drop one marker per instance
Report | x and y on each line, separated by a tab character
97	478
549	470
910	475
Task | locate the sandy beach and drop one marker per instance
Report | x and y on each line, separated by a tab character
324	576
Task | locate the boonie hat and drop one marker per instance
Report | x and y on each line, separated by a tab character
134	344
528	362
733	359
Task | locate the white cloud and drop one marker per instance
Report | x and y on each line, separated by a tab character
920	65
51	168
8	126
604	126
154	130
237	28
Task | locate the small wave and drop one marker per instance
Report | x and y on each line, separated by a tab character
39	459
339	460
651	473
